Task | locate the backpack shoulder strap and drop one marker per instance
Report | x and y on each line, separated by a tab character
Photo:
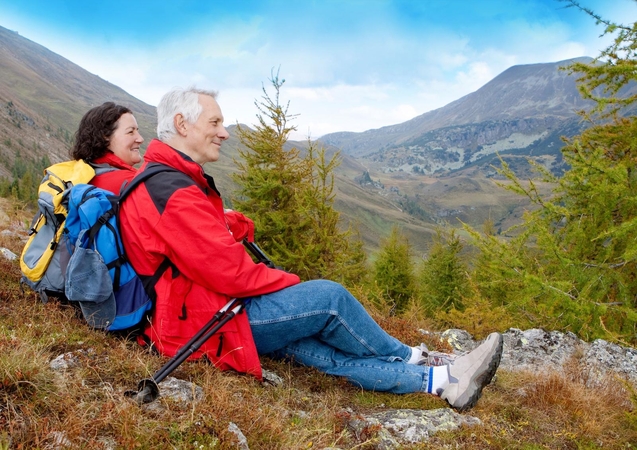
151	170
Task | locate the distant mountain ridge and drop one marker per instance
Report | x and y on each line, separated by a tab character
525	107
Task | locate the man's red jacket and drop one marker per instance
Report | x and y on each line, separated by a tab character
180	216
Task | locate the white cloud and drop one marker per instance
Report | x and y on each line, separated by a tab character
478	74
402	113
329	92
568	50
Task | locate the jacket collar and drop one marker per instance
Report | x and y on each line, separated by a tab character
162	153
112	160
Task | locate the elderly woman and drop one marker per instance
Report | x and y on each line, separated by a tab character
108	138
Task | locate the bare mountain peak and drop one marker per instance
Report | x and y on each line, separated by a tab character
528	92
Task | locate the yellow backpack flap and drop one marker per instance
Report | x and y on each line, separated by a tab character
41	250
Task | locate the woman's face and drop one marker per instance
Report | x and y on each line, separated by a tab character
126	140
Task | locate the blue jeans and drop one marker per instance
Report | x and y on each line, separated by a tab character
320	324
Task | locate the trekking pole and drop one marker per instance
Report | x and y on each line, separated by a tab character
258	253
148	388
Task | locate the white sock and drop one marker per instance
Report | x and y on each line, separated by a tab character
416	353
438	379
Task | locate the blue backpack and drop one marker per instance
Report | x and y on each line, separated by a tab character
99	276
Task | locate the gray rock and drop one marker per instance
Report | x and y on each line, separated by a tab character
107	443
57	440
604	357
459	340
272	378
535	348
243	442
180	390
68	360
538	349
407	426
8	254
172	388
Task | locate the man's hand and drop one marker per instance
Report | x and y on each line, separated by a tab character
240	226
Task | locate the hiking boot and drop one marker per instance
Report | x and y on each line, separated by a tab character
434	358
470	373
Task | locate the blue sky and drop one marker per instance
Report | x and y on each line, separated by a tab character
349	65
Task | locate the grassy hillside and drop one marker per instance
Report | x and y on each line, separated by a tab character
83	406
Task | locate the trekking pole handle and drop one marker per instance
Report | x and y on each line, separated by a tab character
258	253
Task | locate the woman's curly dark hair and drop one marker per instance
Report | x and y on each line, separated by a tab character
96	128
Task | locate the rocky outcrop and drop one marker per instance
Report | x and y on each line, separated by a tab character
538	349
390	429
531	350
454	147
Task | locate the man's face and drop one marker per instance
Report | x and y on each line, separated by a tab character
205	136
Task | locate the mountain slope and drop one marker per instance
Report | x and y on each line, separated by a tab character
43	96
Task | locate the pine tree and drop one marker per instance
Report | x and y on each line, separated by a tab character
271	179
393	270
290	198
328	252
572	264
603	80
442	277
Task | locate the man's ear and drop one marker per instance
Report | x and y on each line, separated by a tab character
180	125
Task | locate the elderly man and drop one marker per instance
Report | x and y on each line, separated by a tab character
189	251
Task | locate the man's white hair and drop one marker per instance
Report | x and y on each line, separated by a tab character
179	101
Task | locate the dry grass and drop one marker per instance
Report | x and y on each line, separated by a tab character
551	410
85	406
